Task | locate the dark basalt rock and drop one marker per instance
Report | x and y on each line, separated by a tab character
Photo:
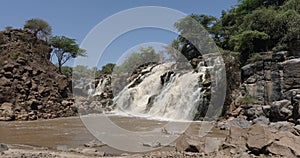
273	82
30	87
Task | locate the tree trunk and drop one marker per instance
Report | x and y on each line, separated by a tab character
59	66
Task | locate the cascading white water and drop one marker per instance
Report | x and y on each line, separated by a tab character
176	99
103	82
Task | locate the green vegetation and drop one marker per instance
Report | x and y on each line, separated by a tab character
136	59
14	55
106	69
84	71
246	100
249	28
40	28
64	49
67	71
249	42
255	57
252	26
274	26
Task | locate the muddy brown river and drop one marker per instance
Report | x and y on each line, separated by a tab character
71	132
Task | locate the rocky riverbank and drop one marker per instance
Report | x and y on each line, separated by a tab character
255	141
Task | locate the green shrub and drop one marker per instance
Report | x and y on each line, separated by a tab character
14	55
255	57
247	100
67	71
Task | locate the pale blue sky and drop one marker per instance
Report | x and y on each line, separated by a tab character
75	18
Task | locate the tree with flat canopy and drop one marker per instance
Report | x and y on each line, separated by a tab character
64	49
40	28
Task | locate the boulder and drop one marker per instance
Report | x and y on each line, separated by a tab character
92	152
253	111
261	120
258	138
239	122
3	147
281	126
287	144
279	56
94	143
281	110
190	143
237	137
278	149
213	144
297	130
250	69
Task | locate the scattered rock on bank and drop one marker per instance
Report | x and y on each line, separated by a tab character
239	122
256	141
259	140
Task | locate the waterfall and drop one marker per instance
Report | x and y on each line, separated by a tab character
100	89
163	93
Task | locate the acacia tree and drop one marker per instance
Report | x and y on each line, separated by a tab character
64	49
40	28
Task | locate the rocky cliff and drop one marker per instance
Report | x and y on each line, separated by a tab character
30	87
270	88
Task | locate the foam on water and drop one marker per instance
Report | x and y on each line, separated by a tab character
177	99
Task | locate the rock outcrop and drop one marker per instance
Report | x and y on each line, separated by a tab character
30	87
270	88
93	95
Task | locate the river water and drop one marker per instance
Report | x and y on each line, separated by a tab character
71	132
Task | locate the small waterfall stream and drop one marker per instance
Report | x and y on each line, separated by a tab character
101	86
162	93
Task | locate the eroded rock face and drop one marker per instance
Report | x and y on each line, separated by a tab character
30	87
270	88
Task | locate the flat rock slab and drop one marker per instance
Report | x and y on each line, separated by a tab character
258	137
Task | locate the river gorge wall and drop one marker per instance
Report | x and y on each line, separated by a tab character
270	88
